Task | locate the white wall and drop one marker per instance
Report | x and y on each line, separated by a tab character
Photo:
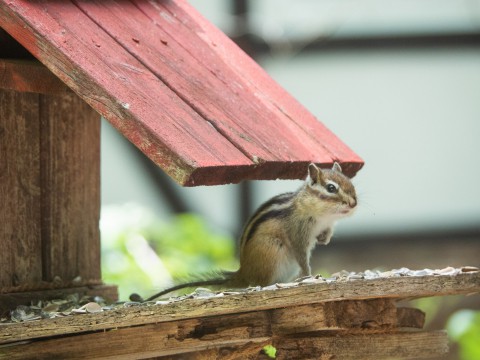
413	117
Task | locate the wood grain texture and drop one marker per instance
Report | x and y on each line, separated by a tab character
393	288
248	331
29	76
50	191
378	314
162	76
70	185
20	260
407	345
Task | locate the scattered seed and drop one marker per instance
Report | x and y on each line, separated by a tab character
93	307
79	311
51	308
469	269
73	304
135	297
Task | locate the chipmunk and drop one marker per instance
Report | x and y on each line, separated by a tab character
278	240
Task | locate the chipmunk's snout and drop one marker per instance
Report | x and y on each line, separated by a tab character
351	202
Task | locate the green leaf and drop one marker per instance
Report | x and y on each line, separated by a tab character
270	351
464	328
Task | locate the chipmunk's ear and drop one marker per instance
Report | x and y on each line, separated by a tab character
314	174
336	167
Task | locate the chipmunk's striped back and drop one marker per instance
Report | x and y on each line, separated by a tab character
277	207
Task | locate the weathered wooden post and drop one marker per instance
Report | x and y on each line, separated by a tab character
49	188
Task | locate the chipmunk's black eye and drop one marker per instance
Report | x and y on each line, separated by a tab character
331	188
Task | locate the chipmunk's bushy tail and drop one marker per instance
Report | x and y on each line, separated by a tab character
210	279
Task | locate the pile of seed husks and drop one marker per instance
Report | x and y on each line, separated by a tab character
47	309
73	304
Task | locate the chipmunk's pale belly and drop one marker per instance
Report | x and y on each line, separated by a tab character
320	226
286	271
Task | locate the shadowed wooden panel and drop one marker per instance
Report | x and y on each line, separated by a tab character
29	76
70	178
403	345
19	190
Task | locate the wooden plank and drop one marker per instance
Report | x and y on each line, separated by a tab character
380	314
29	76
407	345
430	345
149	340
186	336
70	183
272	95
260	132
20	240
124	91
393	288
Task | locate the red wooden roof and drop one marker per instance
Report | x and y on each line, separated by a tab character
177	88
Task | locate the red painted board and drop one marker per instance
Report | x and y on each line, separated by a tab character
177	88
229	105
209	85
123	90
264	87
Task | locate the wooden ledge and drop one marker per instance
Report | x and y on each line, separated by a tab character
395	288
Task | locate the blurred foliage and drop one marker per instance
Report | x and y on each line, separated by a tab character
464	328
143	254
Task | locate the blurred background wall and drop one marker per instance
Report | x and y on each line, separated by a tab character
398	81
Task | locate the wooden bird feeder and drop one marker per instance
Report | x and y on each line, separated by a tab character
172	84
169	81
